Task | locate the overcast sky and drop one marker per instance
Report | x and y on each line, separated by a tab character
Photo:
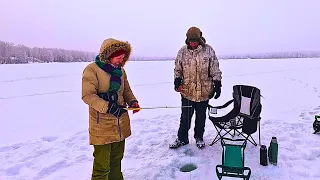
158	27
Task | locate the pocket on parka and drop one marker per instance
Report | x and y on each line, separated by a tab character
103	126
206	88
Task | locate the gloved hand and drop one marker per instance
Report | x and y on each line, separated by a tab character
178	84
134	104
115	109
110	96
216	92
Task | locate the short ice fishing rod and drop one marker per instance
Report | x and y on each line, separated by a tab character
159	107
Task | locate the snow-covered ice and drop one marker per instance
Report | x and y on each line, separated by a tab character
44	122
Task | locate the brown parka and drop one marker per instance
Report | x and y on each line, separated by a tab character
104	128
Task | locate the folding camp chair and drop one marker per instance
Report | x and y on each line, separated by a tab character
244	118
233	160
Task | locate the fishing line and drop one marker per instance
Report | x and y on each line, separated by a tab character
158	107
189	125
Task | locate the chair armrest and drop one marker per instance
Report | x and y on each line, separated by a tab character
223	106
226	118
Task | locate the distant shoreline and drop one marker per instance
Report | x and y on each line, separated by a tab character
11	53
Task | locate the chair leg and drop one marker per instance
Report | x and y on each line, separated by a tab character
219	136
249	136
216	139
259	134
253	141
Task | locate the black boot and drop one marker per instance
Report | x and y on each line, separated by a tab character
177	143
200	143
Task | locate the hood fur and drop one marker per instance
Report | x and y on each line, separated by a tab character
110	46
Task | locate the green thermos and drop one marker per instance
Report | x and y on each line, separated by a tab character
273	151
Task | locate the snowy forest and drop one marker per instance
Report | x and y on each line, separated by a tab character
11	53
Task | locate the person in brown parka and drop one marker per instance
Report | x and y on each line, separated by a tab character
106	90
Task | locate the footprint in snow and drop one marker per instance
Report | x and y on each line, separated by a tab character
15	170
155	142
268	121
284	157
81	132
189	152
306	118
313	155
313	112
52	168
133	149
303	174
302	115
317	176
10	148
315	89
74	142
82	158
36	154
84	148
49	138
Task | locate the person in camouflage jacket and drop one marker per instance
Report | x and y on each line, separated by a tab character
197	77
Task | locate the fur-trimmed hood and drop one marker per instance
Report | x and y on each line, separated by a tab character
110	46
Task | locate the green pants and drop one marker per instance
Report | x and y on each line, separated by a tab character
107	161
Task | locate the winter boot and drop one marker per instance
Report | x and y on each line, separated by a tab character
200	143
177	143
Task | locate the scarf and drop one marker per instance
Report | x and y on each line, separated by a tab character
115	72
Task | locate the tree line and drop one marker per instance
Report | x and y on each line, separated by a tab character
274	55
11	53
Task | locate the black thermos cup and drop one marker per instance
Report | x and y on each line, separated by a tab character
263	155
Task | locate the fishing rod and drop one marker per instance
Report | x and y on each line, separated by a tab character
158	107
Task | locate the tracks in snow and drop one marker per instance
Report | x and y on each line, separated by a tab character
306	85
37	94
35	78
41	158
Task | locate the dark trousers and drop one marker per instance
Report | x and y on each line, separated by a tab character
185	120
107	161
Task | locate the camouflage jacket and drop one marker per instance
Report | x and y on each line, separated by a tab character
198	68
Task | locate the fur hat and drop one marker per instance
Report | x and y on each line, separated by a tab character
195	34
